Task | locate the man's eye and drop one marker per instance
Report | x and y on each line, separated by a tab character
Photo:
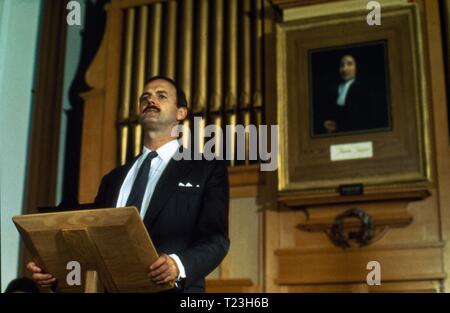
162	97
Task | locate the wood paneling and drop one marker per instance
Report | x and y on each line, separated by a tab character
384	214
311	199
398	263
435	65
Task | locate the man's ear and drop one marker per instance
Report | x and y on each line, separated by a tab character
182	113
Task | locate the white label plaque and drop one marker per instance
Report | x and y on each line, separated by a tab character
351	151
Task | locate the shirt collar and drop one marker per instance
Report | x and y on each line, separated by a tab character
166	151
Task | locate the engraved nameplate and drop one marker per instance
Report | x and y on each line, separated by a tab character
351	151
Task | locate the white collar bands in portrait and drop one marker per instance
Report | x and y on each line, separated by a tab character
342	92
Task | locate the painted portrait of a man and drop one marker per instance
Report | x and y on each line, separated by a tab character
349	89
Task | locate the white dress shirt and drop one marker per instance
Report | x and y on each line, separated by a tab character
157	167
342	92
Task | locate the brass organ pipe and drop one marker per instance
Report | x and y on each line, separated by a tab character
170	41
126	87
199	104
230	101
140	72
217	92
231	141
246	55
247	122
141	55
155	40
127	70
258	65
186	48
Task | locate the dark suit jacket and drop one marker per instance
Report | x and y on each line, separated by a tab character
190	222
365	109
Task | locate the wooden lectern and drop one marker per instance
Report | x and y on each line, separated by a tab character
112	247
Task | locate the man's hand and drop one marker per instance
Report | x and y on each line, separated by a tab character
164	270
42	279
330	126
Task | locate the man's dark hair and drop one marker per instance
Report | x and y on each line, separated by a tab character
23	284
181	97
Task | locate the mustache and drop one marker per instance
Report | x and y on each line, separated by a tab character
150	107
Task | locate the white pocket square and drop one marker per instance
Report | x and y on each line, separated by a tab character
180	184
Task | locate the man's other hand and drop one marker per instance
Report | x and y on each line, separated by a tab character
164	270
42	279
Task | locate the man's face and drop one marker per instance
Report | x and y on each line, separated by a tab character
348	67
158	106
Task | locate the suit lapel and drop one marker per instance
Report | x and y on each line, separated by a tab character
174	172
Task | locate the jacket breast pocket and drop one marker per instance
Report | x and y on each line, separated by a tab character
187	207
189	190
189	197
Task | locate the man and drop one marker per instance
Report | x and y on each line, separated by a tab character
184	204
353	106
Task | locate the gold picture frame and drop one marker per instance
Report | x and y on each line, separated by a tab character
399	154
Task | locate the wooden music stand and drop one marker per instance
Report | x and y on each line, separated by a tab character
112	246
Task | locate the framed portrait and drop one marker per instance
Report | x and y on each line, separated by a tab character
349	89
352	101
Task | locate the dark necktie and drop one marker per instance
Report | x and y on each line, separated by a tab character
140	183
